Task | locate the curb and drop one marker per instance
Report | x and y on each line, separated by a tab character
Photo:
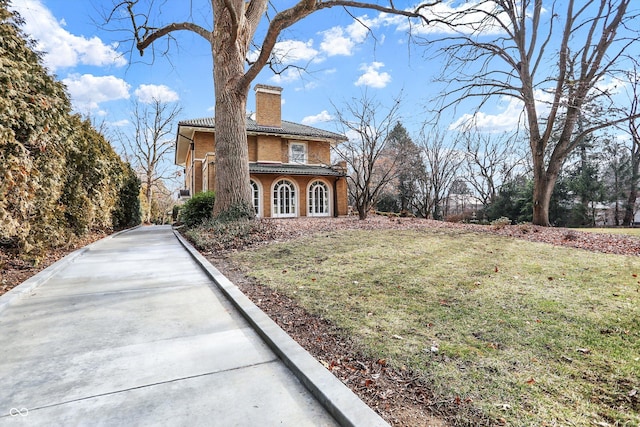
346	408
29	285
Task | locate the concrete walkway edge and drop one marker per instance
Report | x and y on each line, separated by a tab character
337	398
41	277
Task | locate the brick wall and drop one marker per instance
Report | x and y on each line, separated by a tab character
268	106
269	149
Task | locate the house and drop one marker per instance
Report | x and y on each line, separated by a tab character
289	163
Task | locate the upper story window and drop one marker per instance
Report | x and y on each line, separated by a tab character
297	152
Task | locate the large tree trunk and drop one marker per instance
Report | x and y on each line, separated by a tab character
230	45
232	170
544	182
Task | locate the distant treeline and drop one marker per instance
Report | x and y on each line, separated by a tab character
59	177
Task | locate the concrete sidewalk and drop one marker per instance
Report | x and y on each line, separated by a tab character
133	330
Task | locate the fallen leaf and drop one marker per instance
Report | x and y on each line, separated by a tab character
633	392
531	381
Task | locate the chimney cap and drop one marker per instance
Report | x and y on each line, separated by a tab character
268	89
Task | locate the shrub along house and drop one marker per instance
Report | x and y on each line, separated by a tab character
289	163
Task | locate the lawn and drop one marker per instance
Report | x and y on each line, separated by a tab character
529	333
617	230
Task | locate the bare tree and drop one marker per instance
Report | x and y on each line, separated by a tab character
490	160
150	144
234	32
371	163
442	161
634	132
503	48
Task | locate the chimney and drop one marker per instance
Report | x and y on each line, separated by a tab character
268	106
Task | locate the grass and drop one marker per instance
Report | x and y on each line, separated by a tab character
613	230
529	333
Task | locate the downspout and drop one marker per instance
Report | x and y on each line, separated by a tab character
335	197
193	170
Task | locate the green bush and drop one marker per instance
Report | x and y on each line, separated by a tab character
126	213
237	213
198	209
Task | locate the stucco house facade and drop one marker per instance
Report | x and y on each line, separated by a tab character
289	163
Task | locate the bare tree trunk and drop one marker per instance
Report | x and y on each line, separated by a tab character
148	195
231	37
543	185
231	187
633	188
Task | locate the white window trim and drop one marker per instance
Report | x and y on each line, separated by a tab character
260	195
306	154
296	198
329	199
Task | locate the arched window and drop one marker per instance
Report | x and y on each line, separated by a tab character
256	197
318	200
284	199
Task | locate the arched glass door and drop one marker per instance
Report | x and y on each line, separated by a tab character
318	199
284	199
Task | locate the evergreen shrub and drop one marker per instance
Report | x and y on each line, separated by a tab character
198	209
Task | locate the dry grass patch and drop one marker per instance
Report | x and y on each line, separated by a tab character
530	333
617	230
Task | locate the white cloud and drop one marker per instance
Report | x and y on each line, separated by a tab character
335	42
372	77
508	119
341	41
359	29
88	91
119	123
611	85
148	93
323	116
288	76
63	49
292	51
469	18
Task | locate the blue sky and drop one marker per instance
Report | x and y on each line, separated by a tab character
342	60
